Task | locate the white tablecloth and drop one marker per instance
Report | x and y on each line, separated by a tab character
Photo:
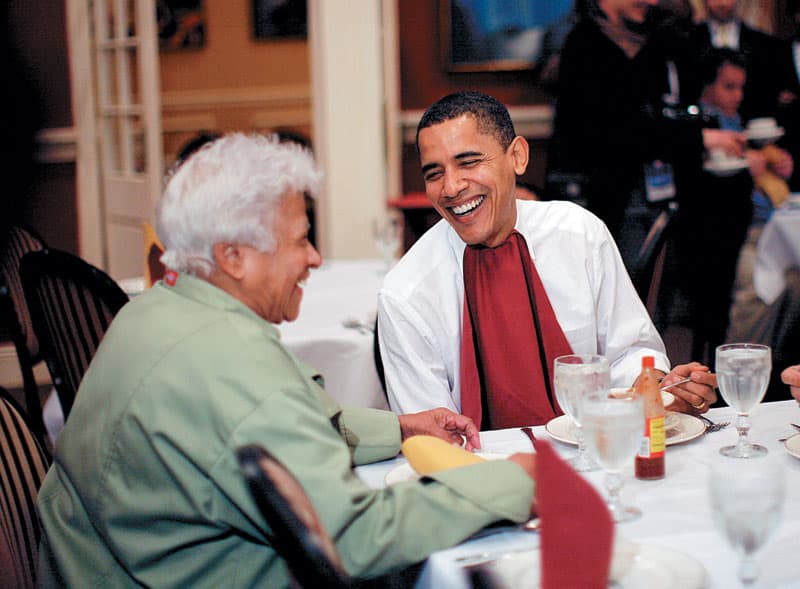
336	291
778	250
675	509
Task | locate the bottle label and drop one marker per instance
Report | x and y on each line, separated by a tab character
654	441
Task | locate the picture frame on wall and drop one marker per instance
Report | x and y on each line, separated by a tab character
280	19
499	35
181	24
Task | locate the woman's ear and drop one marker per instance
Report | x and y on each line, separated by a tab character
229	259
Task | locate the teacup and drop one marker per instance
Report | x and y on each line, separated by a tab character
762	125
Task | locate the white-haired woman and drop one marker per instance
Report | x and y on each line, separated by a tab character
145	489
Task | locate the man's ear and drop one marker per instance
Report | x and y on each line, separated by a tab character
520	152
229	259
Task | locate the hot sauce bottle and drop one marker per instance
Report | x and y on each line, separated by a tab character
650	458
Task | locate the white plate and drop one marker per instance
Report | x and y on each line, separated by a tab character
404	472
634	566
792	445
666	397
562	429
726	167
766	135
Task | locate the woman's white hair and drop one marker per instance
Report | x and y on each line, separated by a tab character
228	192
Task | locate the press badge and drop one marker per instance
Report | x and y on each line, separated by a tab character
658	181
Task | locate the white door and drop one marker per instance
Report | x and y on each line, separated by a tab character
117	110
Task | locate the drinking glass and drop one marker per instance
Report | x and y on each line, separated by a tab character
746	502
387	234
743	374
575	376
613	428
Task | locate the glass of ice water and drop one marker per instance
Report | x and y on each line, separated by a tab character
746	502
743	374
575	376
613	429
388	236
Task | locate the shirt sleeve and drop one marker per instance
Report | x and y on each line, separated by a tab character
416	375
626	332
375	530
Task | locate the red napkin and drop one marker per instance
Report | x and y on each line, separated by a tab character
577	532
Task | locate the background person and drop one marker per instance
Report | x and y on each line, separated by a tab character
619	69
145	489
791	377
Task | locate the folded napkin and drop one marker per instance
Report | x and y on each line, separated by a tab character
427	454
577	531
775	187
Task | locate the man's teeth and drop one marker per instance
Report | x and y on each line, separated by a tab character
302	283
467	207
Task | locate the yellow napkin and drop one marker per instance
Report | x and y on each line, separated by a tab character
769	182
428	454
153	248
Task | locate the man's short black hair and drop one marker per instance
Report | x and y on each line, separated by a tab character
490	114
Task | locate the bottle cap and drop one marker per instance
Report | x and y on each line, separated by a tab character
648	362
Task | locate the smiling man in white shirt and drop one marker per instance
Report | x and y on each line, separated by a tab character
576	281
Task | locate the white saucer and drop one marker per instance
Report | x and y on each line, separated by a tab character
562	429
766	134
633	566
404	472
792	445
726	167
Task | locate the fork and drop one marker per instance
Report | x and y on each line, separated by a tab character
784	438
713	426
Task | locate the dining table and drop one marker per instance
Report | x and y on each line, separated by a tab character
334	332
778	250
676	510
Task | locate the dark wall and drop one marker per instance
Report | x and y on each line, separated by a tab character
422	68
424	79
36	96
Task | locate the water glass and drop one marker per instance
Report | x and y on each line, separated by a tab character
388	234
743	375
746	502
574	377
613	429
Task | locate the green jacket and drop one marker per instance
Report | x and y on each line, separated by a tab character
145	488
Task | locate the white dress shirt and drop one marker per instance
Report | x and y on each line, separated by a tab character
420	306
724	34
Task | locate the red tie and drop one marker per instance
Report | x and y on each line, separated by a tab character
506	362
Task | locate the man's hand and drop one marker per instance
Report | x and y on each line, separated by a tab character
731	142
791	376
694	396
442	423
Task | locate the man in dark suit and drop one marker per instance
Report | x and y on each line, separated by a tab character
722	27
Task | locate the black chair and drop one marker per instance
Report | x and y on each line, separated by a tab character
376	355
23	464
299	537
297	533
16	242
648	267
71	304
